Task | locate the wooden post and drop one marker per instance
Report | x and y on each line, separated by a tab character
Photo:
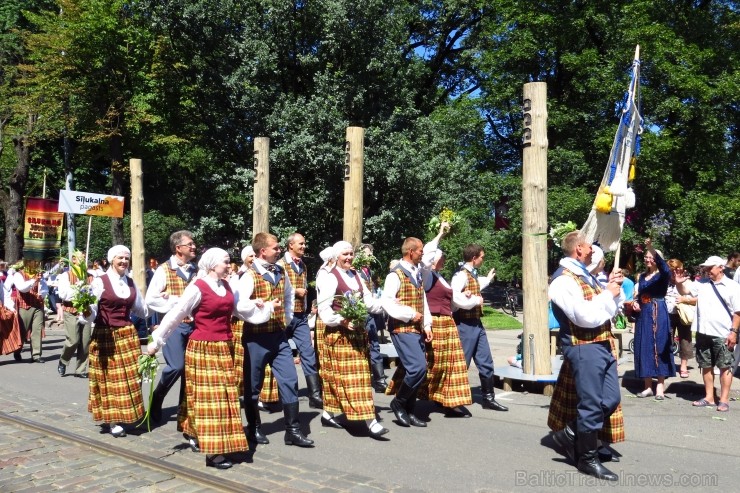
536	338
261	207
138	262
354	161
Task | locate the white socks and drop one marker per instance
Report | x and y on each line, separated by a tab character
373	425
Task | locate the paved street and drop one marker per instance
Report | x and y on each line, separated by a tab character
669	444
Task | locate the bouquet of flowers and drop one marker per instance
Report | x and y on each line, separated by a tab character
148	366
363	259
447	215
559	230
353	308
83	295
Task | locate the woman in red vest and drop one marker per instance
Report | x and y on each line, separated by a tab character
347	385
115	389
210	413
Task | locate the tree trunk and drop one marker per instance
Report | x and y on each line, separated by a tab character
118	175
16	190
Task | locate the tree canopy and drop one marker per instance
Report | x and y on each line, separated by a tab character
187	85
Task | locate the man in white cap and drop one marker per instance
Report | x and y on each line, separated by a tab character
717	325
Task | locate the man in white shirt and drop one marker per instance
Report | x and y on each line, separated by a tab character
295	268
265	292
467	304
584	311
410	326
77	329
717	324
29	292
165	289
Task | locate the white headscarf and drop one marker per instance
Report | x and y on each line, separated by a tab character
596	257
117	251
327	255
247	251
341	246
211	259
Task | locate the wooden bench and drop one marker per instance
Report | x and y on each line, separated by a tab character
510	373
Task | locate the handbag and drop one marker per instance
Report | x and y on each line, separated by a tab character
686	313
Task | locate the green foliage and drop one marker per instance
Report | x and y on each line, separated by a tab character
188	85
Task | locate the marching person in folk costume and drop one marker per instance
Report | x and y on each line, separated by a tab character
298	330
584	311
115	388
329	257
28	296
237	325
266	293
467	305
210	413
77	329
165	289
374	322
410	326
347	384
447	372
10	332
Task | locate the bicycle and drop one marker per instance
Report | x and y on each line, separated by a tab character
510	302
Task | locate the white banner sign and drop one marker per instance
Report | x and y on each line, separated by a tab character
90	204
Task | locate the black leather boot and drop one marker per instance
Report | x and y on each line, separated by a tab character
566	439
489	400
398	404
314	391
379	382
410	404
293	435
155	409
254	424
588	457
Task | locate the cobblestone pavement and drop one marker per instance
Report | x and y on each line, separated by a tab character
34	461
667	441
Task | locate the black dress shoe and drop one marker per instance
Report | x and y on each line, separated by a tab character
17	355
377	434
456	412
193	442
81	375
493	404
414	421
331	423
218	461
61	369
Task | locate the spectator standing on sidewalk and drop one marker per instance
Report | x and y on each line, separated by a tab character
717	325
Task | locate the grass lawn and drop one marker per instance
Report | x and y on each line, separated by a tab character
494	319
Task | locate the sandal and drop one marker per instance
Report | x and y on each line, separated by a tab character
703	403
684	374
723	407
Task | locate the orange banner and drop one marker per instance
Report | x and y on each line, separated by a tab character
90	204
